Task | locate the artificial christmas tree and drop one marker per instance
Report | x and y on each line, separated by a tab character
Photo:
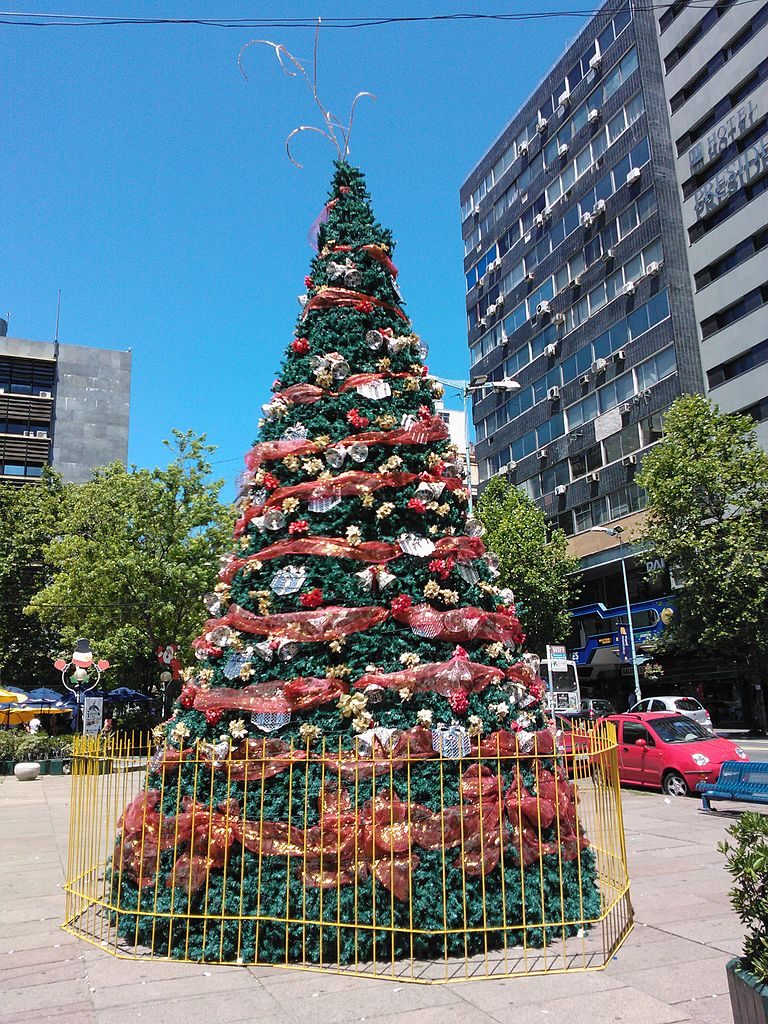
360	766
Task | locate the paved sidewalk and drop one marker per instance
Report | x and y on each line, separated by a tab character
672	967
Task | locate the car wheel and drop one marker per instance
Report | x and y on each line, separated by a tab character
674	784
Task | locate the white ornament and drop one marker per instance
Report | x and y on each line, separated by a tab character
375	390
415	544
289	580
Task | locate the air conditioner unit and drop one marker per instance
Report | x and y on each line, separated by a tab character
629	288
541	125
599	207
593	116
562	150
499	302
554	394
561	489
595	61
538	220
609	254
41	433
620	355
584	378
564	99
2	391
546	213
482	322
586	220
27	433
575	282
558	318
653	268
567	194
634	175
543	308
550	351
529	276
523	148
629	460
599	366
593	478
625	408
504	340
543	453
46	394
492	309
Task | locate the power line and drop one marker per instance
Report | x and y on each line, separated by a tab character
43	20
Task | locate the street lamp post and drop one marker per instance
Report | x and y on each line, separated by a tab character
616	531
466	388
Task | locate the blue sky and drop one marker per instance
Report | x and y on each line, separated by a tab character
145	178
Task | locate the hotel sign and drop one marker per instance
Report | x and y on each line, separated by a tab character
747	166
729	129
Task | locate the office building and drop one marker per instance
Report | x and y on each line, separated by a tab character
715	62
61	405
578	288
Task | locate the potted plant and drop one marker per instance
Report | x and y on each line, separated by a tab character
747	862
8	741
60	754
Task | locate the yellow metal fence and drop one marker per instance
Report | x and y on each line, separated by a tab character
378	862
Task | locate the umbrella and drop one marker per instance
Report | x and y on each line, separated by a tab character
125	695
43	696
11	695
16	715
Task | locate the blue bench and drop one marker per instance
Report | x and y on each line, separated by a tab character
738	780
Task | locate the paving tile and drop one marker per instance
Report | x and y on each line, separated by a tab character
508	992
374	999
196	982
38	997
622	1004
76	1013
674	983
459	1014
240	1006
714	1009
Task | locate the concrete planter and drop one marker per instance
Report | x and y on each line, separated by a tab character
749	996
27	771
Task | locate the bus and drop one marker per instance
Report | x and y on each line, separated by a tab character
562	692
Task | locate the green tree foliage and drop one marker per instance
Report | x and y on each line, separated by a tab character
707	484
134	550
28	516
536	566
747	863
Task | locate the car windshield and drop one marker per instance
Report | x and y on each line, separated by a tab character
687	704
679	730
603	705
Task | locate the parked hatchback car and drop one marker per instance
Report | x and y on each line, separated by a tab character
596	709
670	751
687	706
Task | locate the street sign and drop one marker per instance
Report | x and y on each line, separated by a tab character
557	658
93	709
625	651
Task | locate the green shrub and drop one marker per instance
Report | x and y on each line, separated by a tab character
8	743
747	862
32	748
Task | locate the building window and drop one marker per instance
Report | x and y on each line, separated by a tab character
671	13
728	208
697	33
749	360
721	58
758	411
724	107
747	304
733	258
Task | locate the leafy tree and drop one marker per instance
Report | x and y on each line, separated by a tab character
707	484
133	552
28	517
535	565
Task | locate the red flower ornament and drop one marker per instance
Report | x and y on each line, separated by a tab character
300	346
312	599
401	603
187	696
356	420
212	716
300	526
364	306
417	505
270	482
308	282
459	702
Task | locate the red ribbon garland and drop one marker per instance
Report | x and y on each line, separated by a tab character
327	297
351	842
463	549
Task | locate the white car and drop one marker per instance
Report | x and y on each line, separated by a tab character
687	706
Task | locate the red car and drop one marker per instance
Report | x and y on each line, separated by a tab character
669	751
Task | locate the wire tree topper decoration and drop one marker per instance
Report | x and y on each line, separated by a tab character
334	130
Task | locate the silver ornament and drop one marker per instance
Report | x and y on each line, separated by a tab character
335	457
274	519
289	580
270	721
335	270
374	694
353	279
414	544
260	496
386	737
220	636
339	368
374	339
422	350
358	452
506	596
212	602
323	502
473	527
287	650
451	741
298	432
431	491
233	665
408	421
375	390
468	572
